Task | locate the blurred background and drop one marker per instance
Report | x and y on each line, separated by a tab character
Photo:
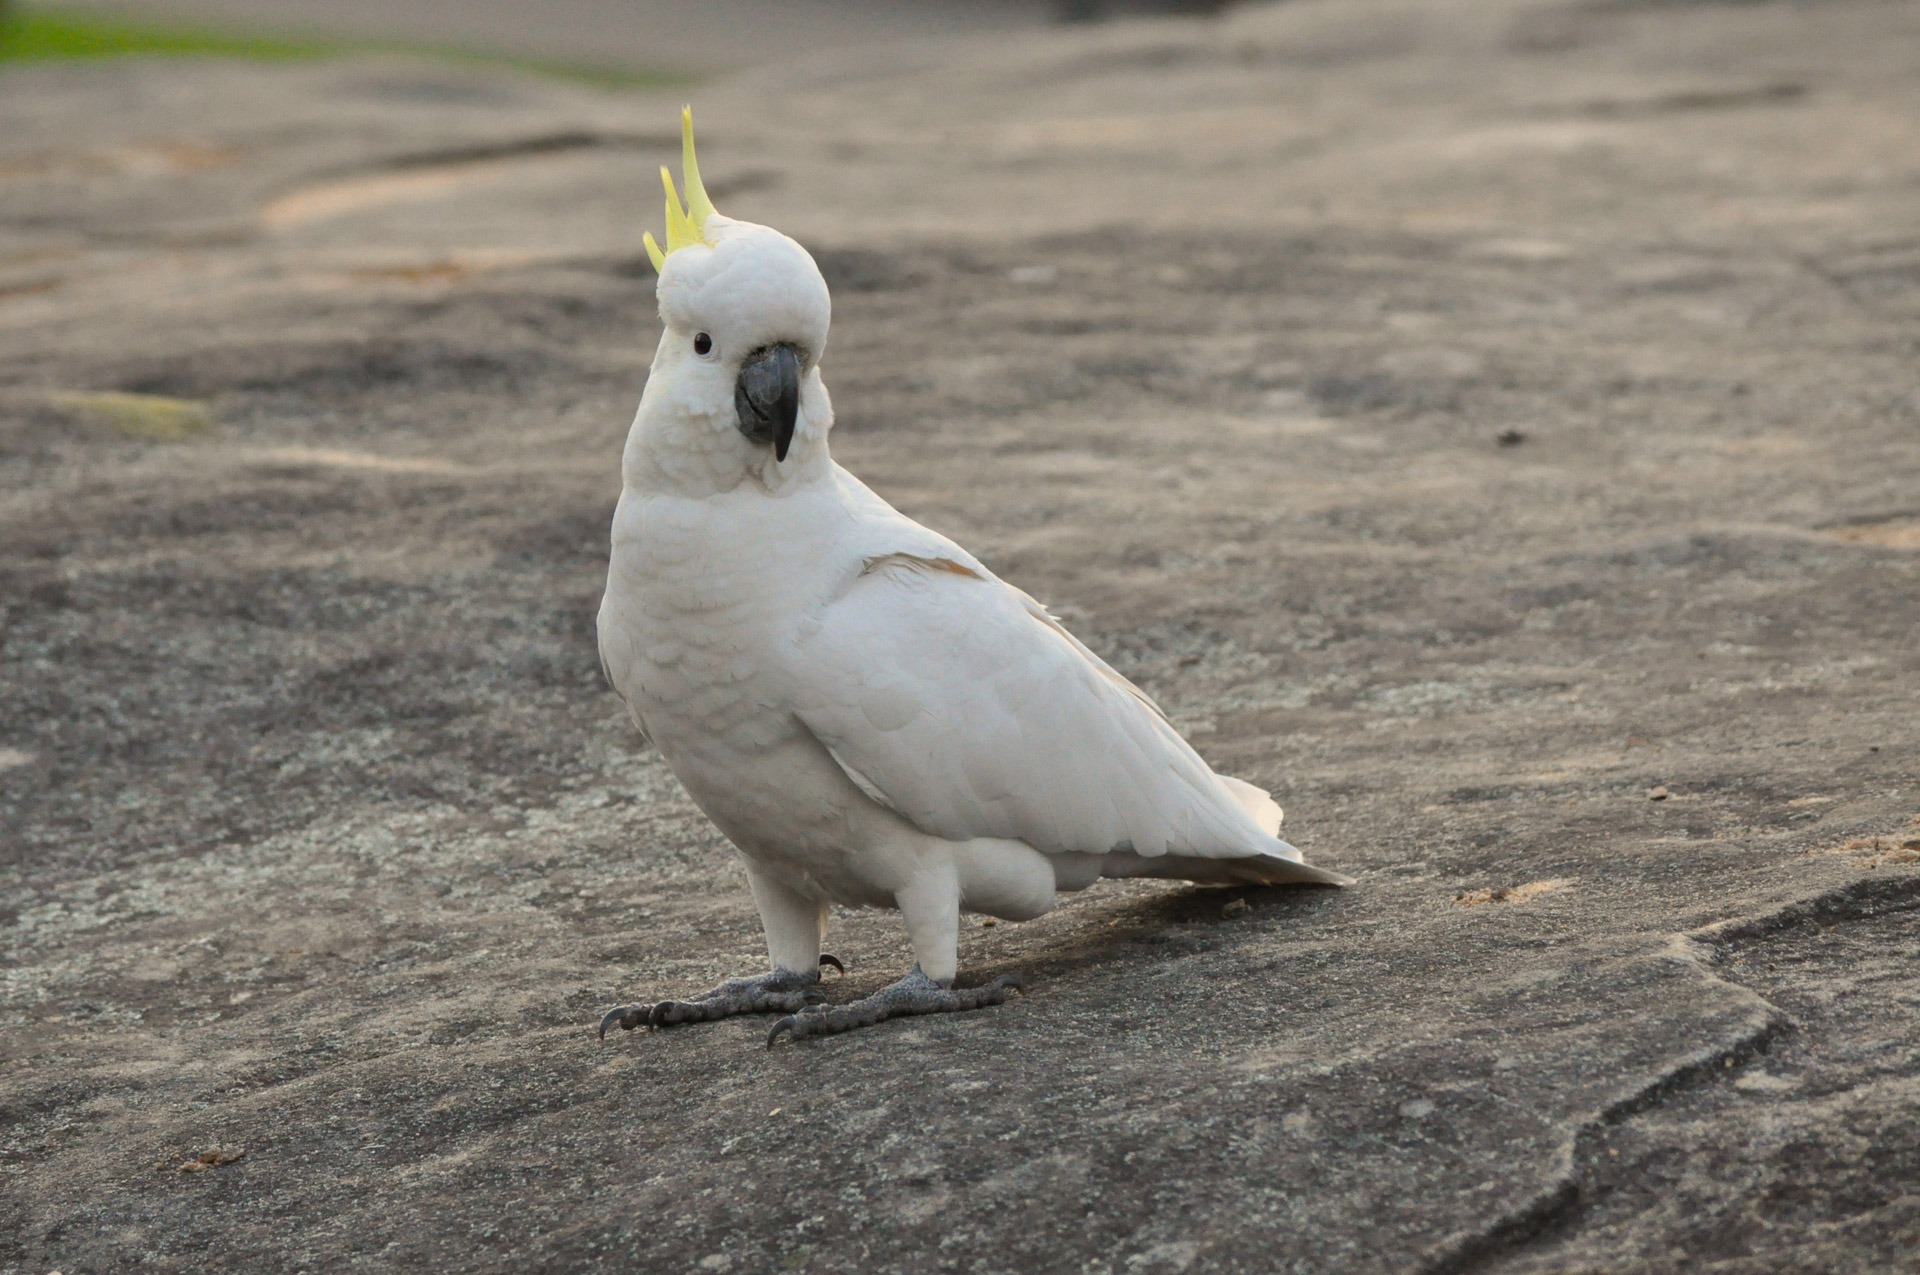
631	37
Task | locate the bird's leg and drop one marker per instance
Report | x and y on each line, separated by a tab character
777	991
795	925
930	905
914	994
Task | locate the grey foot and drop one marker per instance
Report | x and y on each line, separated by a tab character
914	994
777	991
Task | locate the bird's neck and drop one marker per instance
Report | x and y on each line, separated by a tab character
672	450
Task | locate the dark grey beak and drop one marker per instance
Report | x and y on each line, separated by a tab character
766	398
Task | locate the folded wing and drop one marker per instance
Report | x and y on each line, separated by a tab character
957	701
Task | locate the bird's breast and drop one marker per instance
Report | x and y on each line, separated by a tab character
701	596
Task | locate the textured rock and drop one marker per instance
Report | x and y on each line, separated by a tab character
1468	421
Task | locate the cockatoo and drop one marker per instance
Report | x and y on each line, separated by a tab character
870	715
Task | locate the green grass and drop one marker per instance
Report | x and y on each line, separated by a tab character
53	35
47	35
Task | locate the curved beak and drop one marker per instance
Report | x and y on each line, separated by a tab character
766	397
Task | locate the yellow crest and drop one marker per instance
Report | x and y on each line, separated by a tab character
685	225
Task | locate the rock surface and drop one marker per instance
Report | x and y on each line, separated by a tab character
1467	419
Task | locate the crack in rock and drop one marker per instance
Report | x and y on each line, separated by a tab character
1558	1198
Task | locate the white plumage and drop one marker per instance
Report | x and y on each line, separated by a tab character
957	701
864	709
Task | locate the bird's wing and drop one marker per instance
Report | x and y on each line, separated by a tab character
611	633
957	701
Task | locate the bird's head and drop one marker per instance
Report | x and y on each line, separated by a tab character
745	312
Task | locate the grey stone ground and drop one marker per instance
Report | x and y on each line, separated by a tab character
324	840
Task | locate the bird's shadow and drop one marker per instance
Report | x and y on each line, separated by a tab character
1120	931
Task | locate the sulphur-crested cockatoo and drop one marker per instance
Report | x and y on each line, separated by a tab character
867	712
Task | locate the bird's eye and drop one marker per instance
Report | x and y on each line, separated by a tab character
702	343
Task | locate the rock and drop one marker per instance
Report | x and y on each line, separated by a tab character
306	705
1507	894
212	1158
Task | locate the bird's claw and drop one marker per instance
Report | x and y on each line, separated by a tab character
627	1016
828	958
778	991
914	994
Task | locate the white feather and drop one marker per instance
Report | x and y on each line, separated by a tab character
999	724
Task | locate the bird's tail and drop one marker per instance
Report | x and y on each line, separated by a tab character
1255	801
1287	869
1282	864
1260	860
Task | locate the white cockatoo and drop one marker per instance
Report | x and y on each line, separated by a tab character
867	712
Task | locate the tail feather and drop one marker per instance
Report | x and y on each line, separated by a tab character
1254	869
1284	871
1255	801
